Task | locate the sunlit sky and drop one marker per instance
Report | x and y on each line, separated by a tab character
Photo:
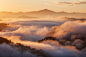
35	5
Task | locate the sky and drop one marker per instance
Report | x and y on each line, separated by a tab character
35	5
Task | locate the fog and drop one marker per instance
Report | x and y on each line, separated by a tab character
43	38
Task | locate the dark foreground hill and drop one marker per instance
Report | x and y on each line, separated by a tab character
3	40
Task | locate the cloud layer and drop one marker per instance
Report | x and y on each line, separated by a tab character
74	3
68	37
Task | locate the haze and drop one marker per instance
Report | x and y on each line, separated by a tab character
42	28
35	5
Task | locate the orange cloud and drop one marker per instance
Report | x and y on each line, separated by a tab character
68	3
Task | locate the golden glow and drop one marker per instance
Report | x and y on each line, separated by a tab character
35	5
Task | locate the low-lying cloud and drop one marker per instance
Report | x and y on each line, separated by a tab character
68	39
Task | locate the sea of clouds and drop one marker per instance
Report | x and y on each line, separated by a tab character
29	32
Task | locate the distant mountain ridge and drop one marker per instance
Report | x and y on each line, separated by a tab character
44	10
42	13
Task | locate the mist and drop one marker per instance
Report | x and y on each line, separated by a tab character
56	37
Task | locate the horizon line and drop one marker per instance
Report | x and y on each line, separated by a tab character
39	10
